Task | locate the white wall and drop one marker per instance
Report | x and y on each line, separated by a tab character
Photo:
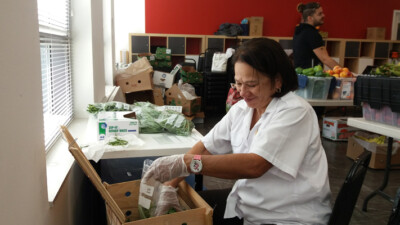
129	17
23	196
23	191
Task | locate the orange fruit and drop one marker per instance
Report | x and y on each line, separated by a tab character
336	75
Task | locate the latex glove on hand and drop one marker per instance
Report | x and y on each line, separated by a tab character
166	168
168	200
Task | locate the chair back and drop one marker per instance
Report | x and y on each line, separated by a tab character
348	194
394	218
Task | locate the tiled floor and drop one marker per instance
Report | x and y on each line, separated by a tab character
379	209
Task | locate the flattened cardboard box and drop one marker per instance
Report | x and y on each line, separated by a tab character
174	96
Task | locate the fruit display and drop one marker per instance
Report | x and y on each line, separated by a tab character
387	70
340	72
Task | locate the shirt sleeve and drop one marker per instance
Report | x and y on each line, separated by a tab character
218	140
284	141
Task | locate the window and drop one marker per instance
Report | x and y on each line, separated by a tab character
55	49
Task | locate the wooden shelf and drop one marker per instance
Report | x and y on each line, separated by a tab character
352	53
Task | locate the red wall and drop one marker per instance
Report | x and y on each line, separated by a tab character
343	18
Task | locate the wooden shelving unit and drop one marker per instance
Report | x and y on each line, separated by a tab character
355	54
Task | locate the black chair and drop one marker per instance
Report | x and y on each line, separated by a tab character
348	194
394	218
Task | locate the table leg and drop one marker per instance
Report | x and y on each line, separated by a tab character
379	191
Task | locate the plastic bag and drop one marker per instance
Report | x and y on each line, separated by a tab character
148	194
95	108
233	97
94	151
175	122
219	62
187	90
146	113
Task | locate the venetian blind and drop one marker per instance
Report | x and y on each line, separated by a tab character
55	52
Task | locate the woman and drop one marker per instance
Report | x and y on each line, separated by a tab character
269	142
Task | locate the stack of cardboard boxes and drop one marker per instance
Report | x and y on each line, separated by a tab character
140	83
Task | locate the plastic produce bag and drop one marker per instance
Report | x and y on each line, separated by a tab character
146	113
150	201
175	122
95	108
187	90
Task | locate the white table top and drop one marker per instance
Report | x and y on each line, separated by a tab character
330	102
380	128
159	144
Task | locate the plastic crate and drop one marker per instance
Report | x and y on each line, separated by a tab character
378	91
344	88
384	115
315	88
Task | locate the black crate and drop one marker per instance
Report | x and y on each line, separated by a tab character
378	91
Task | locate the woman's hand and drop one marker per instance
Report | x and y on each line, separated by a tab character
166	168
168	200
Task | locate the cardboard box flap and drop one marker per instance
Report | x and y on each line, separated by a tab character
175	92
91	173
139	66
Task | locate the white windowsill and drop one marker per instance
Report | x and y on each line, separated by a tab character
59	160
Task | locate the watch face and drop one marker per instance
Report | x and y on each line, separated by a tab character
196	165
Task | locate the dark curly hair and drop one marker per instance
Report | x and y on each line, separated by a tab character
267	57
307	9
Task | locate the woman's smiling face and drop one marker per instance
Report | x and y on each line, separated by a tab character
255	88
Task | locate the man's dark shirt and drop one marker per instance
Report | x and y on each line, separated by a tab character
305	39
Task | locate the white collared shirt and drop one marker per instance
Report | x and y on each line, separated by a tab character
296	189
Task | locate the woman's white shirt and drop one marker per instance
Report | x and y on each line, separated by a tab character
296	189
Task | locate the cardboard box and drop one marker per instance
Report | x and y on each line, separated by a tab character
139	96
256	26
376	33
121	199
163	79
135	83
116	123
137	77
378	158
336	128
158	94
174	96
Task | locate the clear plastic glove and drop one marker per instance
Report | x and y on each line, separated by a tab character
168	200
166	168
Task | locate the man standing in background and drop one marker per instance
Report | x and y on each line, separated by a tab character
308	47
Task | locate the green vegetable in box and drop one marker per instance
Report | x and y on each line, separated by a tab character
190	75
387	70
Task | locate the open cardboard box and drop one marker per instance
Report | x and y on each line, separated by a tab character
137	77
174	96
121	199
378	157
